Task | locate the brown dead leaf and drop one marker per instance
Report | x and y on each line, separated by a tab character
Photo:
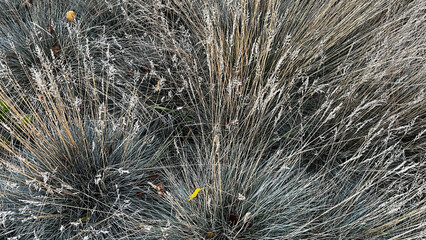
56	49
160	189
139	194
210	235
50	29
154	176
144	68
26	3
233	219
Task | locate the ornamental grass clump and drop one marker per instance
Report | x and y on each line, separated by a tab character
342	82
72	176
81	183
333	91
249	194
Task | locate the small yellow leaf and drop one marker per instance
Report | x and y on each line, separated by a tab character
194	194
70	15
86	218
157	87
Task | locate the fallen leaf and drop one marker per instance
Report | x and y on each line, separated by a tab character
144	68
139	194
56	49
234	219
50	29
70	15
210	235
86	218
194	194
26	3
160	189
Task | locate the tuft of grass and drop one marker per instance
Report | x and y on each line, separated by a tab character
83	179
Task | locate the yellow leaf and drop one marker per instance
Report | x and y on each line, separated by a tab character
70	15
194	194
86	218
157	87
